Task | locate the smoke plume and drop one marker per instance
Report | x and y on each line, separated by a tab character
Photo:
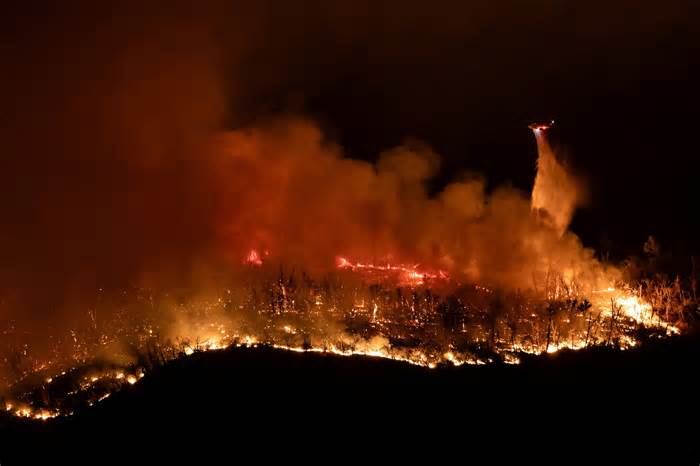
556	192
291	193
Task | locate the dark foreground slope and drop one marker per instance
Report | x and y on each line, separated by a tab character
272	403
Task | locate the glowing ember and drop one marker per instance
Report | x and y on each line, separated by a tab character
44	415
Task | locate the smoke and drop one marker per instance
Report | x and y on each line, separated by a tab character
105	110
120	168
556	192
295	195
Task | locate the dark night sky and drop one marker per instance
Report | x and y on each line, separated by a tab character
83	84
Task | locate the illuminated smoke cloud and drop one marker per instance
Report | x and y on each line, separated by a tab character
292	193
556	192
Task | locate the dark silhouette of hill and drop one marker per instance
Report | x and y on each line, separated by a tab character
272	403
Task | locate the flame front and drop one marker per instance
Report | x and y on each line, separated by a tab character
409	276
418	329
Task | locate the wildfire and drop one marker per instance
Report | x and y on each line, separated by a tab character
614	301
416	358
27	412
392	311
614	316
421	329
407	275
635	309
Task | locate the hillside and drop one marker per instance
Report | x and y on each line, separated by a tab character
280	396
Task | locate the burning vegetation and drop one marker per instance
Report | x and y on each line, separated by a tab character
343	314
462	307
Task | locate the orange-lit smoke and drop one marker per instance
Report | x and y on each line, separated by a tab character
556	192
293	193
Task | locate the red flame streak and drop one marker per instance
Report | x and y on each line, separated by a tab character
407	275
